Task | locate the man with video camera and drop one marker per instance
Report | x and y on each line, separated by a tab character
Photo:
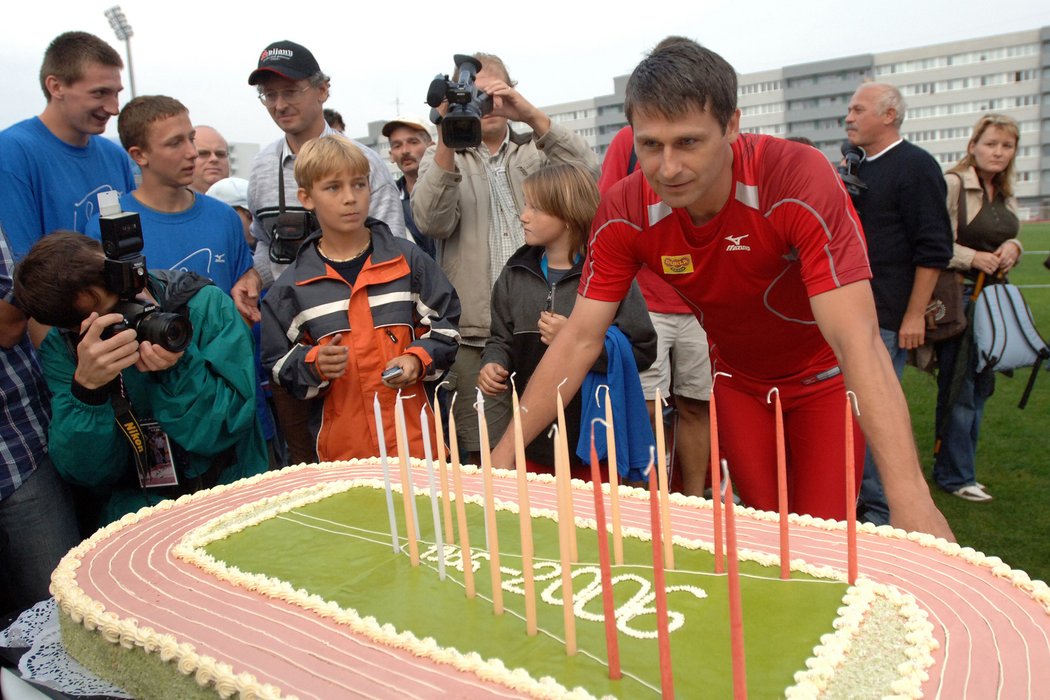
469	198
135	360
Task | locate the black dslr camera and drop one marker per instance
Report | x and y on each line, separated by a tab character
125	275
461	125
852	157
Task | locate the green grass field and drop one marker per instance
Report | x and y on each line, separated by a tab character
1013	453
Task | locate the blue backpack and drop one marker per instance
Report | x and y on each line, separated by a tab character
1004	334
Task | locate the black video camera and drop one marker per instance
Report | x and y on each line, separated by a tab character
852	157
125	276
461	125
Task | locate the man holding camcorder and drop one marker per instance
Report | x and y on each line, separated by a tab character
136	360
468	197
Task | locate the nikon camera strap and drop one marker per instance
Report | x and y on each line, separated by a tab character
130	427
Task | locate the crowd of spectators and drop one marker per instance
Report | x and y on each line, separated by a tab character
321	282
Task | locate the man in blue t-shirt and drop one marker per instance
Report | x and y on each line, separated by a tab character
52	167
181	229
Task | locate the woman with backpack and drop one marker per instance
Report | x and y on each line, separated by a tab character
984	221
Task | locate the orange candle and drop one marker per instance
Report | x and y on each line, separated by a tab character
612	647
614	480
851	493
663	634
782	488
661	477
716	484
561	476
443	471
495	575
461	512
408	495
524	516
562	443
736	612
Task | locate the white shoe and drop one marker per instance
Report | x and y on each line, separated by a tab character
973	492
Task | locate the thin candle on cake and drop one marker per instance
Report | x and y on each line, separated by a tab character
851	490
566	486
782	487
663	634
561	476
612	646
490	509
435	509
385	462
661	478
443	468
716	480
614	477
461	511
407	492
736	610
524	514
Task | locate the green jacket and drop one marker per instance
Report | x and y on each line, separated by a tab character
205	403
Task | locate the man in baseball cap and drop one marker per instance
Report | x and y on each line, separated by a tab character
286	59
294	89
409	138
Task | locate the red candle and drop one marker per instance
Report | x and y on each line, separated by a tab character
782	490
716	486
851	495
660	589
612	646
736	613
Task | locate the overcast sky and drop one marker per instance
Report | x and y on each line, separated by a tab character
382	55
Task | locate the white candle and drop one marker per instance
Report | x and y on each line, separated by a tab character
407	491
435	509
386	475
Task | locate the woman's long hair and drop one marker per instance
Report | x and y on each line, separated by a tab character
1004	181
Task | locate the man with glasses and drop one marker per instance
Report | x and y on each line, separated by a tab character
293	89
213	159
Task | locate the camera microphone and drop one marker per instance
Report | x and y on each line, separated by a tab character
852	153
852	157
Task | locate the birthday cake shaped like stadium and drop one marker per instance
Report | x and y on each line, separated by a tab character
286	585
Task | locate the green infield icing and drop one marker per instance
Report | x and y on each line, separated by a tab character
340	548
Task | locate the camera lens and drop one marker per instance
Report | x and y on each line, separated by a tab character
170	331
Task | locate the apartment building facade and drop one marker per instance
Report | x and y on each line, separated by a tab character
946	88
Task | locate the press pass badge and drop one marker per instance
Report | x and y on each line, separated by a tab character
161	460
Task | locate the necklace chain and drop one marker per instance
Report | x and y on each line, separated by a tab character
355	256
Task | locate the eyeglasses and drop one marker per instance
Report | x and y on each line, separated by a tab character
206	154
289	95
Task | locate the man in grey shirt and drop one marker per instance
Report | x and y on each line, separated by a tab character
293	89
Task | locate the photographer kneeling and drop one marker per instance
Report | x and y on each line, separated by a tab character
139	420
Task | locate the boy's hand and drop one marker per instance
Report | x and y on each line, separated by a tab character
331	358
245	293
100	361
492	379
154	358
411	369
550	323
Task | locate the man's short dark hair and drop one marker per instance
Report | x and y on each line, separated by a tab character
682	76
137	115
334	119
57	268
70	52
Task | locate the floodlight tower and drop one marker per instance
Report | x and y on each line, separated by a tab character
122	29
